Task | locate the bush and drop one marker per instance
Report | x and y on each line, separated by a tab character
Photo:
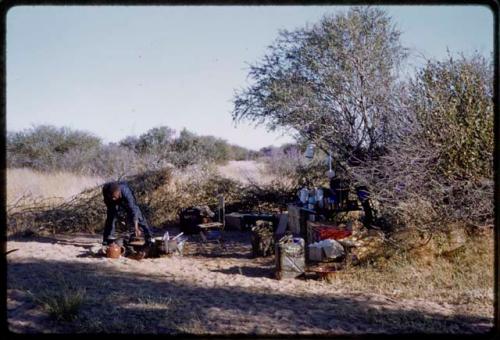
334	83
48	148
453	104
117	162
189	149
44	147
442	172
239	153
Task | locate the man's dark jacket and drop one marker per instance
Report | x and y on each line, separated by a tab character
127	202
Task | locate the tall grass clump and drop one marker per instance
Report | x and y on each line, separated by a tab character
62	304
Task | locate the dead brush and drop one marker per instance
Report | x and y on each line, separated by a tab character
161	194
202	187
84	212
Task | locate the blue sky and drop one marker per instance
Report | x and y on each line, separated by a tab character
118	71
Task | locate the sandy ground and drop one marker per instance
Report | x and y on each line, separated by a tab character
208	290
246	172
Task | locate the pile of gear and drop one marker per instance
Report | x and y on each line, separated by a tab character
136	247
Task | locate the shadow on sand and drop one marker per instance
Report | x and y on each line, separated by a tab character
124	302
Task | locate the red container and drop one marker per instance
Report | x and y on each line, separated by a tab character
332	233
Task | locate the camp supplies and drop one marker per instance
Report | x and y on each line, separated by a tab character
319	197
235	221
190	218
175	245
114	251
303	195
290	260
325	250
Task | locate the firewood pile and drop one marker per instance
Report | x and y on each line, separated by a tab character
84	212
159	195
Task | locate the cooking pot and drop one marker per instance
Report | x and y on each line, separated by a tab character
114	251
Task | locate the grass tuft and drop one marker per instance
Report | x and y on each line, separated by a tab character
63	304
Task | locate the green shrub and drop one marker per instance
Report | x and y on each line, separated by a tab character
44	147
453	103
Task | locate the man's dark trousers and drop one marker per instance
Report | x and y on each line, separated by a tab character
110	230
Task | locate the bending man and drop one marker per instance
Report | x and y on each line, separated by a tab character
119	194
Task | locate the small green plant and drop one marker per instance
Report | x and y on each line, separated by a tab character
63	304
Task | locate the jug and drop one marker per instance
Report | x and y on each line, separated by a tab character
303	195
114	251
319	197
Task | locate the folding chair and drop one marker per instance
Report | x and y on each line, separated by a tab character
213	231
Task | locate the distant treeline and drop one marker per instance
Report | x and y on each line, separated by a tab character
50	148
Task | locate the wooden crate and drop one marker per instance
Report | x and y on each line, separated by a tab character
311	236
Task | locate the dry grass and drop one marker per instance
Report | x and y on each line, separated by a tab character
59	186
463	278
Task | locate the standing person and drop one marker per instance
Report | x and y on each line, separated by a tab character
119	194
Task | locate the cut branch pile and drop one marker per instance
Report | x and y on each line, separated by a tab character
160	195
84	212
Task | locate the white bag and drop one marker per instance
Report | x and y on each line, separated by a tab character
332	249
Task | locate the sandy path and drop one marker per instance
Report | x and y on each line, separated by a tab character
246	172
206	291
